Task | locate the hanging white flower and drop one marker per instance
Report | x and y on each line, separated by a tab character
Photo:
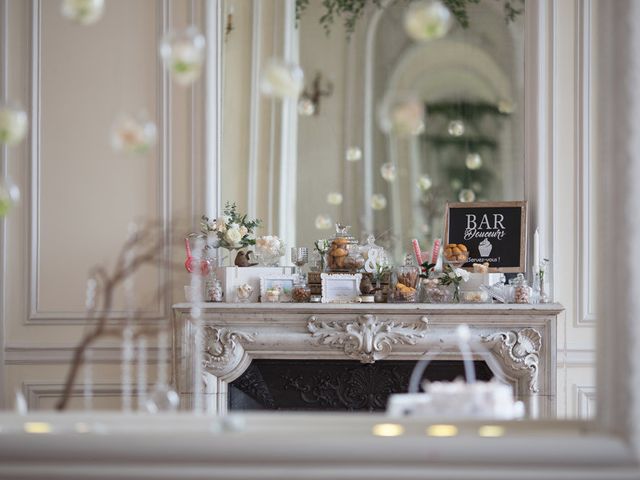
427	20
424	183
378	201
323	222
282	80
84	12
183	54
13	124
334	198
353	154
136	135
402	115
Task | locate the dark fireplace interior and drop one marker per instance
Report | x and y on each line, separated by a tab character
333	385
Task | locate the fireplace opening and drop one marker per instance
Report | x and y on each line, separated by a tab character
333	385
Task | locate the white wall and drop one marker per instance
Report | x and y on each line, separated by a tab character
574	166
78	196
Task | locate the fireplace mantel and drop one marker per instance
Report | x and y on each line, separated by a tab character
521	337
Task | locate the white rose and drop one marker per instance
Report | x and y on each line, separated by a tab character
462	274
233	237
452	275
243	230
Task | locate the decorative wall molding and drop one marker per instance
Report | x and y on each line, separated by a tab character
578	357
34	392
366	339
213	113
254	120
37	316
585	201
585	401
520	351
4	169
30	354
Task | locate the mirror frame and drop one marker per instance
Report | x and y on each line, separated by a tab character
616	428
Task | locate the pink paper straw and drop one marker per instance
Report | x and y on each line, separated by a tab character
416	251
435	251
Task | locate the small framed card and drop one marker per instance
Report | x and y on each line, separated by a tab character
340	288
283	282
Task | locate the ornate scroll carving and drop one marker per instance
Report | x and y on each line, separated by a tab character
520	352
223	351
366	339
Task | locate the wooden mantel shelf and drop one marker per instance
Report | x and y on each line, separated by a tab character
521	337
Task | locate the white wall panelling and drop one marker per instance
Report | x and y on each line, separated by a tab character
213	95
33	354
37	392
585	316
4	90
163	107
585	401
33	38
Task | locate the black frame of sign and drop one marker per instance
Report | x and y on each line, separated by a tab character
521	204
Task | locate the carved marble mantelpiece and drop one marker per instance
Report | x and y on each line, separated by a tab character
521	337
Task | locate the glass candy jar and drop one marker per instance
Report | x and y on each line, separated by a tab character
404	282
344	252
301	292
521	289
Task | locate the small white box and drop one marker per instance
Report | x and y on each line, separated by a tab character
232	277
477	279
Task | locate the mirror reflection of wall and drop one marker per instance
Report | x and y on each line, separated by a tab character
357	165
351	163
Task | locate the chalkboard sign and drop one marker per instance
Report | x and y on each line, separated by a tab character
493	232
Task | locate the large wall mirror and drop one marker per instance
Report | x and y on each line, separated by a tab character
388	128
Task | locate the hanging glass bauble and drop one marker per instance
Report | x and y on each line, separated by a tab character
353	154
282	80
476	187
162	399
425	229
334	198
388	171
424	182
306	108
9	196
84	12
13	124
323	222
456	128
183	54
131	134
466	195
402	115
378	201
456	184
506	106
473	161
427	20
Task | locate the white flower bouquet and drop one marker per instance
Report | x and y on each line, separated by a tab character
231	230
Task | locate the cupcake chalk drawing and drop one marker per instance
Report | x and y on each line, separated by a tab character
485	248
